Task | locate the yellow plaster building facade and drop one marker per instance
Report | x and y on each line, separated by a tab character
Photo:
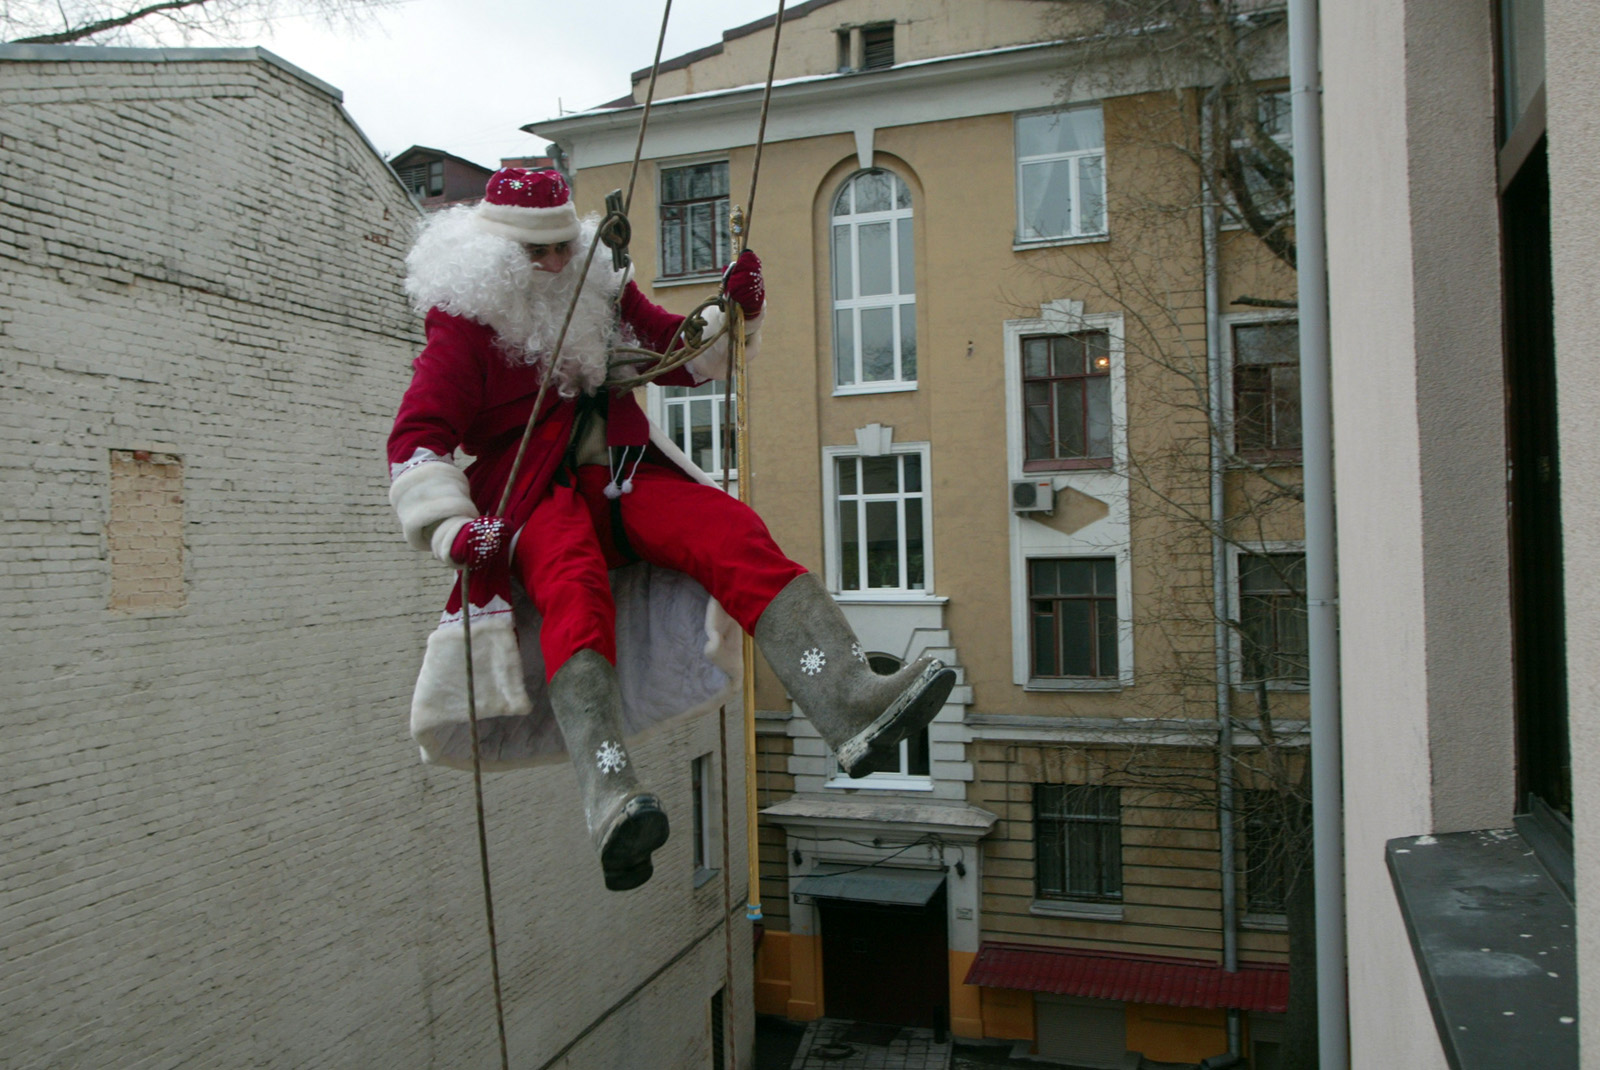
980	411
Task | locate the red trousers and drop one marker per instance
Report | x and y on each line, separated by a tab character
566	549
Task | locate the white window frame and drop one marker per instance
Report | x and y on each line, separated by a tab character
1235	600
662	167
1077	234
659	406
900	779
896	300
830	524
1230	320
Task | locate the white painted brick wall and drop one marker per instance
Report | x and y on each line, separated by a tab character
217	847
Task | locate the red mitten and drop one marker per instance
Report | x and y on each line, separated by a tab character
480	541
744	285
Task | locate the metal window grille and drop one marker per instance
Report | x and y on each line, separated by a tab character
1266	837
694	219
877	47
1077	834
1066	396
1074	616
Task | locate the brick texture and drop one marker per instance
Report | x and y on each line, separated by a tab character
217	847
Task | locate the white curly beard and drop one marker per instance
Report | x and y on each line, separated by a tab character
466	271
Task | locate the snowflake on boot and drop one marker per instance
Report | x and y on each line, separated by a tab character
812	661
857	653
611	758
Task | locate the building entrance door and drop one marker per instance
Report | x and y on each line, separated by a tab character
886	964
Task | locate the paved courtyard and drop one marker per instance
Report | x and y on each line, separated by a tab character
832	1044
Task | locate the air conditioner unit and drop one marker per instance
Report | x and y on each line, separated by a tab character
1032	496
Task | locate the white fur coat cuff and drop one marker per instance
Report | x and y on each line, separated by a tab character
427	494
713	363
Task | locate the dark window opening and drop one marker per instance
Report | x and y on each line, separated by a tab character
694	219
1272	618
1266	387
877	47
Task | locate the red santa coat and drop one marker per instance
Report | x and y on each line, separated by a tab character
473	388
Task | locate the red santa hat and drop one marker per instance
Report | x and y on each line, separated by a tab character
534	207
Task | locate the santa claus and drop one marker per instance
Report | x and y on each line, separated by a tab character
604	598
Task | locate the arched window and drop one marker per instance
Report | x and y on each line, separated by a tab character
874	291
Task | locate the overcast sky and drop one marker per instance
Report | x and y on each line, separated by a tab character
464	75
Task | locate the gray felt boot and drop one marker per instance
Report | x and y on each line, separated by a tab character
625	823
861	715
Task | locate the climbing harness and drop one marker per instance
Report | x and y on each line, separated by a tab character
615	232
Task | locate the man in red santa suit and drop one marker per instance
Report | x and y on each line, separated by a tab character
604	599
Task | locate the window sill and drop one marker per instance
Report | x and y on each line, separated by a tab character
1055	908
1069	465
1022	245
1248	687
881	782
1037	683
1272	458
908	598
1264	923
896	387
1495	943
669	281
702	875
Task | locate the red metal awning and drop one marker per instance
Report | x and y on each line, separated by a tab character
1168	982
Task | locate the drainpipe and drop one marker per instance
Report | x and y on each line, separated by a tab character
1321	580
1221	640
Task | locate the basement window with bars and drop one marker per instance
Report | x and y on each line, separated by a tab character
1077	839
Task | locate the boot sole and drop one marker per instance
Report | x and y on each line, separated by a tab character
639	829
918	704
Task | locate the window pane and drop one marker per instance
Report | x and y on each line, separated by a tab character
1041	578
1069	418
847	475
1099	416
1036	358
1046	200
844	347
1044	640
672	241
1041	444
913	473
917	757
1076	575
1286	406
724	235
1252	393
849	547
1061	131
902	192
872	191
1106	638
701	244
1105	576
915	562
1267	343
1067	351
880	475
841	264
675	428
877	345
1091	195
876	276
883	544
841	203
908	342
700	450
908	275
1076	637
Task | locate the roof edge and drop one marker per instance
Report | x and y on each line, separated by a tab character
110	54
